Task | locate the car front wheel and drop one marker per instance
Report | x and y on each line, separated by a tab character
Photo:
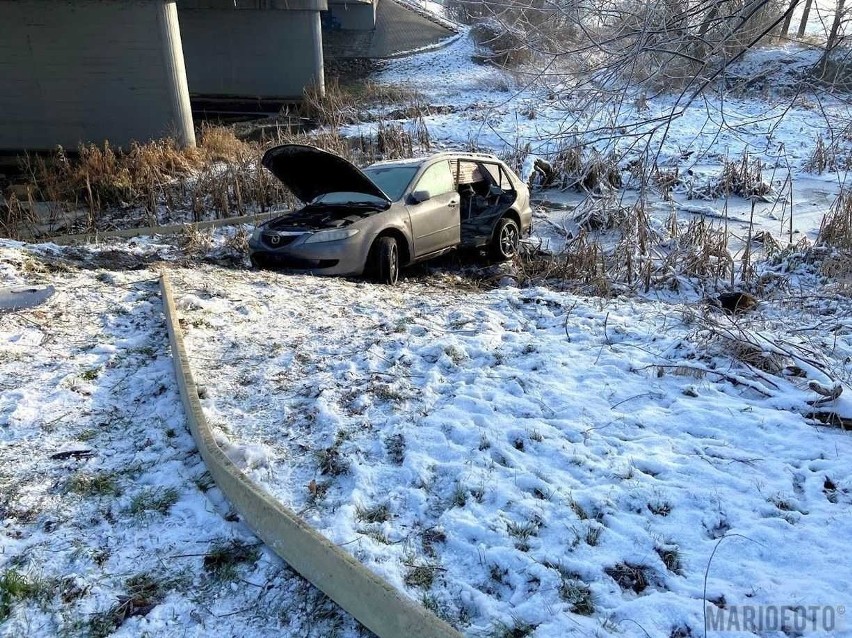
386	260
507	235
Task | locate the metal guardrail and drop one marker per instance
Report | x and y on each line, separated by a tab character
371	600
144	231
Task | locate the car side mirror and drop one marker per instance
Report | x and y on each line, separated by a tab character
418	197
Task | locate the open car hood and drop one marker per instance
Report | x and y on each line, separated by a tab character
310	172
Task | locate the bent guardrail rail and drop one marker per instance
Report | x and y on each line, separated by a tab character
370	599
149	231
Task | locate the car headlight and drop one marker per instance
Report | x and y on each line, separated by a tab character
331	235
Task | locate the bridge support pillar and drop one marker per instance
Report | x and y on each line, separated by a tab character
89	71
252	49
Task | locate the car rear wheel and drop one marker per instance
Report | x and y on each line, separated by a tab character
507	236
386	260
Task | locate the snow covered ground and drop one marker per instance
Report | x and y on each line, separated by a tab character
518	460
512	457
107	514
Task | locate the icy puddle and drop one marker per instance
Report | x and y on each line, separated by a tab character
532	462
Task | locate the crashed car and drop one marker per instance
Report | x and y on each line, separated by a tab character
389	215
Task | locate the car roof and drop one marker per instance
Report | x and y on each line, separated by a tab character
417	161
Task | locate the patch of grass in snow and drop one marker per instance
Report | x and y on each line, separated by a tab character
593	535
430	537
627	473
578	595
522	532
459	496
541	494
16	587
498	574
376	534
478	492
387	392
421	576
204	482
154	499
331	461
402	324
518	629
224	557
670	555
87	435
836	228
578	509
660	508
395	445
719	527
143	592
91	374
103	484
458	617
631	576
681	631
379	513
455	353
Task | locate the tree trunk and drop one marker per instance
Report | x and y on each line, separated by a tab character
785	27
804	23
832	38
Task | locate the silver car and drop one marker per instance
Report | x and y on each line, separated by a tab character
390	214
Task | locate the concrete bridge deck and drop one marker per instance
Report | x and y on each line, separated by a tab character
398	30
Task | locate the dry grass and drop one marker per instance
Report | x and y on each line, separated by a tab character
575	166
742	177
630	576
102	188
618	249
836	228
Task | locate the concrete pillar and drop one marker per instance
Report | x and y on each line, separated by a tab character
319	63
252	52
89	71
176	70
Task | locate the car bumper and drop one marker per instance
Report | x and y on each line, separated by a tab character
329	258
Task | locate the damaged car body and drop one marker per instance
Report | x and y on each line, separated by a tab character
390	214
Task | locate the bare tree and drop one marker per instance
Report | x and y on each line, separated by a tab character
834	39
805	15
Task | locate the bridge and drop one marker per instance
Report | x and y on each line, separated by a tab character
77	71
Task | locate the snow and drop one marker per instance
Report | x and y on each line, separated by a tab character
515	425
90	372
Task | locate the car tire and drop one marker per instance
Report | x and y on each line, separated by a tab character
507	236
386	260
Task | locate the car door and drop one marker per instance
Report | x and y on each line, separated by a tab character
433	210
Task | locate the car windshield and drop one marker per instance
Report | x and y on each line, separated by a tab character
393	180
